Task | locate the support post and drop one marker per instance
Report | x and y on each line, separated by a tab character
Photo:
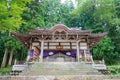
29	57
41	53
77	55
92	59
85	54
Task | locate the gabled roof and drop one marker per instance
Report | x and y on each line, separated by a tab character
58	27
93	39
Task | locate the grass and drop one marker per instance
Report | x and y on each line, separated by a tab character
5	70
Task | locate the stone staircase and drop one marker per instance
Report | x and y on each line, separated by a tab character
60	68
60	71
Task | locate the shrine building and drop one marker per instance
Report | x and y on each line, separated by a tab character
59	44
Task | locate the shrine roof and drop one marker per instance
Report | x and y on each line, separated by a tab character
23	38
97	35
58	27
26	39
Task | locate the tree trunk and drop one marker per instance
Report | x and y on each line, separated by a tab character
5	57
15	61
11	56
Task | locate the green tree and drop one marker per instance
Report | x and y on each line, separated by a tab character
100	16
34	16
56	11
105	49
46	13
10	20
11	48
10	14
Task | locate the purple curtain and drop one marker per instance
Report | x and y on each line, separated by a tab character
72	52
31	52
46	52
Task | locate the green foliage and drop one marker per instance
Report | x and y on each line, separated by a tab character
114	69
85	11
33	15
55	12
46	13
100	16
105	49
10	20
1	48
10	14
20	52
5	70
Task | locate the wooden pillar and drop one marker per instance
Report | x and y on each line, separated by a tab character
77	55
41	53
85	55
28	55
77	36
66	36
53	37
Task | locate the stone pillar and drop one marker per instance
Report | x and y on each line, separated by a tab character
92	59
41	53
77	55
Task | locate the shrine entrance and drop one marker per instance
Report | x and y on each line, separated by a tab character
60	56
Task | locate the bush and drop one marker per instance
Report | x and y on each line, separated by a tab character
5	70
114	69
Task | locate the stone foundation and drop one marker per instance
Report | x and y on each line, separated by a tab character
62	77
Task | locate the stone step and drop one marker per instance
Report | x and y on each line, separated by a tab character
62	77
65	73
61	65
60	68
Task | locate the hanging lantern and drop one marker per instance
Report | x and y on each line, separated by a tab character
59	46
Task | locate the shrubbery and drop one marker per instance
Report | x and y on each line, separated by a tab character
114	69
5	70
